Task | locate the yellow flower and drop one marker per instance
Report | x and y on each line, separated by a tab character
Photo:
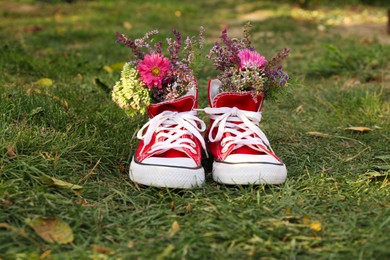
129	92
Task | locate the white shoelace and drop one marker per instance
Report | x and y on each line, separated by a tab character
247	133
170	127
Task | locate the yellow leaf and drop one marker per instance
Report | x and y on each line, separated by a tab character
45	82
177	13
175	227
358	129
65	104
117	66
60	184
45	254
79	77
108	69
319	134
52	230
102	249
315	225
33	90
127	25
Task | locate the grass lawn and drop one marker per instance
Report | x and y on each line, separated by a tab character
58	123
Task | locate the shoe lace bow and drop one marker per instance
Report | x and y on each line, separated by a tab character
170	127
242	126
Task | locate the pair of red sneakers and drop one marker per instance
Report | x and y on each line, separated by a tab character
170	150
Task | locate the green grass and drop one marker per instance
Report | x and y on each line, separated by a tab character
339	82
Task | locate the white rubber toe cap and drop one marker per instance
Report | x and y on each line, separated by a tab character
166	175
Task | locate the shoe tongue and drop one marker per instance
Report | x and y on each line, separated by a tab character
241	100
186	103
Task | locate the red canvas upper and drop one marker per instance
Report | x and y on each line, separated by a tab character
243	101
183	104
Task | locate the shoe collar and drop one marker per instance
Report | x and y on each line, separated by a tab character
241	100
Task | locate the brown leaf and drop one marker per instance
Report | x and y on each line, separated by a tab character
102	249
32	28
52	230
361	129
175	227
11	151
172	205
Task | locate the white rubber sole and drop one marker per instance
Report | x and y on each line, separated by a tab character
249	173
166	176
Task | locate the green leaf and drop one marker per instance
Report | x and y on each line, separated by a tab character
60	184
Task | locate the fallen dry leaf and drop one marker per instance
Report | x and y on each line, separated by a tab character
178	13
108	69
361	129
45	254
127	25
378	176
102	250
52	229
45	82
117	66
33	90
64	104
32	28
79	77
175	227
11	151
315	225
300	109
319	134
60	184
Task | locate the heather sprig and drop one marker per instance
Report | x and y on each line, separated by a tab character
244	69
163	77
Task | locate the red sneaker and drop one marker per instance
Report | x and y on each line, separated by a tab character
169	153
242	153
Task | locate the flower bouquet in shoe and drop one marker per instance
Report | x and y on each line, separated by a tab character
242	153
164	87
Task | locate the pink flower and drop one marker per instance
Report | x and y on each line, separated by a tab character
152	69
251	59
